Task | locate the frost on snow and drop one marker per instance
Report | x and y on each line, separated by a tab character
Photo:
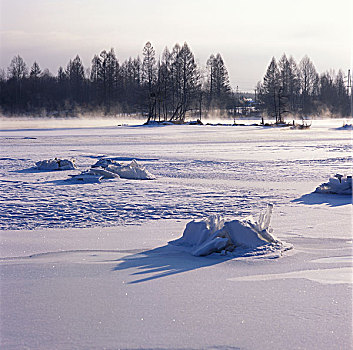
339	184
132	171
56	164
213	235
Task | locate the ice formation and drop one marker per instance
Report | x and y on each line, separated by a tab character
213	235
94	175
133	171
106	174
339	184
56	164
106	168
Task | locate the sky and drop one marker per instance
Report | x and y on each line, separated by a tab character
246	33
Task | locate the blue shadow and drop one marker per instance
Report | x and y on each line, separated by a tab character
163	262
333	200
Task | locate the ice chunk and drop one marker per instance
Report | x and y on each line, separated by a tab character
104	162
49	164
339	184
214	235
56	164
265	218
215	245
86	177
132	171
103	172
197	232
65	164
245	233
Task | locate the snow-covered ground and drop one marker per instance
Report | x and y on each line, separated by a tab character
88	265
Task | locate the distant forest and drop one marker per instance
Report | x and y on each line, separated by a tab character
171	88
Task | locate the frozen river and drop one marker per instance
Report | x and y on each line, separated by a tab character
87	265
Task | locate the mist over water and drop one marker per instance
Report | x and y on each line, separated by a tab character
84	121
57	123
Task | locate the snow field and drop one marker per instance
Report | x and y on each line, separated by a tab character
88	265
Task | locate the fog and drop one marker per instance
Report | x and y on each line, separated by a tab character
91	121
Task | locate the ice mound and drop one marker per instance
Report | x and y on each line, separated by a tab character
56	164
339	184
132	171
236	237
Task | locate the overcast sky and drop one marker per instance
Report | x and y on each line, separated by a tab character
246	33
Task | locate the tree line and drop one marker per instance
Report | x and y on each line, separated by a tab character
298	89
169	88
163	89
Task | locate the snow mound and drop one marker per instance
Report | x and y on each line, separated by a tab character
339	184
132	171
56	164
213	235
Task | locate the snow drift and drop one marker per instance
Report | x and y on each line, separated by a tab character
132	171
339	184
56	164
214	235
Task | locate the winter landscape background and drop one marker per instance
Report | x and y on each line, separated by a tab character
223	223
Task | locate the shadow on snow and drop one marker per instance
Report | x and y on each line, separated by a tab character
333	200
164	261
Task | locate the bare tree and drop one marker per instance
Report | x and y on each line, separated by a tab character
309	82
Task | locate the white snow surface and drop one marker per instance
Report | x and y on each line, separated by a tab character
88	265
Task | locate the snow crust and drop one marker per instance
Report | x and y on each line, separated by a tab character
56	164
339	184
214	235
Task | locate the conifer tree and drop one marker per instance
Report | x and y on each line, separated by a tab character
75	75
270	88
